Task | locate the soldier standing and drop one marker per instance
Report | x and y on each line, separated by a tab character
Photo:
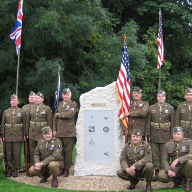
47	157
184	114
32	101
136	162
138	112
38	116
65	129
160	124
179	150
13	123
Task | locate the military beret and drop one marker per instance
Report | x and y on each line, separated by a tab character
66	90
188	90
13	96
136	132
137	89
31	94
161	91
40	94
46	130
177	129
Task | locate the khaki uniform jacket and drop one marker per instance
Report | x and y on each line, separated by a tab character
27	106
183	113
165	120
13	125
66	119
36	120
183	153
49	153
139	159
137	115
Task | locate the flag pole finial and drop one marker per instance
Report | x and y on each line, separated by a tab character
124	37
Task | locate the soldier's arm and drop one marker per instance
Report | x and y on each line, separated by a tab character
123	159
55	155
27	122
49	117
141	112
148	128
178	116
147	158
3	124
67	114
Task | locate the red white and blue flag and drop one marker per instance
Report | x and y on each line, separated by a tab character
123	85
161	45
16	33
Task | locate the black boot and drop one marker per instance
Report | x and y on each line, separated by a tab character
177	182
133	183
45	176
155	176
9	174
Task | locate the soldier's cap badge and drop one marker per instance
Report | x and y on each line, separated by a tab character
46	130
177	129
66	90
136	132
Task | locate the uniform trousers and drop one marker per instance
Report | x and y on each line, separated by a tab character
1	152
67	144
184	172
146	172
157	150
13	153
53	168
32	147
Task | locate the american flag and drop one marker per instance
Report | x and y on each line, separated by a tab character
123	85
16	33
161	45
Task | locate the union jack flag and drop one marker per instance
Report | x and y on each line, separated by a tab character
161	45
16	33
123	85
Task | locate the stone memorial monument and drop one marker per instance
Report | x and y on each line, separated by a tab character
99	136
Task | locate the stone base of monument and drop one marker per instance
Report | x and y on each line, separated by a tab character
99	136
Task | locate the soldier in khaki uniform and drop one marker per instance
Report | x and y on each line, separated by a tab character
184	114
47	157
136	115
65	129
13	123
136	162
179	150
32	101
160	124
38	116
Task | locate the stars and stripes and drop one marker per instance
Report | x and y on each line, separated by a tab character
161	45
123	85
16	33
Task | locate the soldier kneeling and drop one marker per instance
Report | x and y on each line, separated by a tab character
180	151
47	157
136	162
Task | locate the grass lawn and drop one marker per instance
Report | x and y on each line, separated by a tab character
8	185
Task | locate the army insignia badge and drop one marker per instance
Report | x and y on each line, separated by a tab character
141	152
67	108
183	148
141	105
51	147
43	112
72	109
166	111
19	115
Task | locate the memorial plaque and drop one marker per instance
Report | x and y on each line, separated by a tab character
99	135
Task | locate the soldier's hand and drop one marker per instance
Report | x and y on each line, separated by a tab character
38	166
171	173
146	139
24	138
126	114
0	139
125	133
55	133
56	115
174	163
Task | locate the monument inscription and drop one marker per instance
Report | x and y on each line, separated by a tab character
99	136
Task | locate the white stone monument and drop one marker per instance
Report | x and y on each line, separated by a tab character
99	136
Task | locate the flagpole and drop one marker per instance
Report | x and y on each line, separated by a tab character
17	72
159	87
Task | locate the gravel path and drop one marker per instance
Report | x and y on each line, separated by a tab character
92	183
